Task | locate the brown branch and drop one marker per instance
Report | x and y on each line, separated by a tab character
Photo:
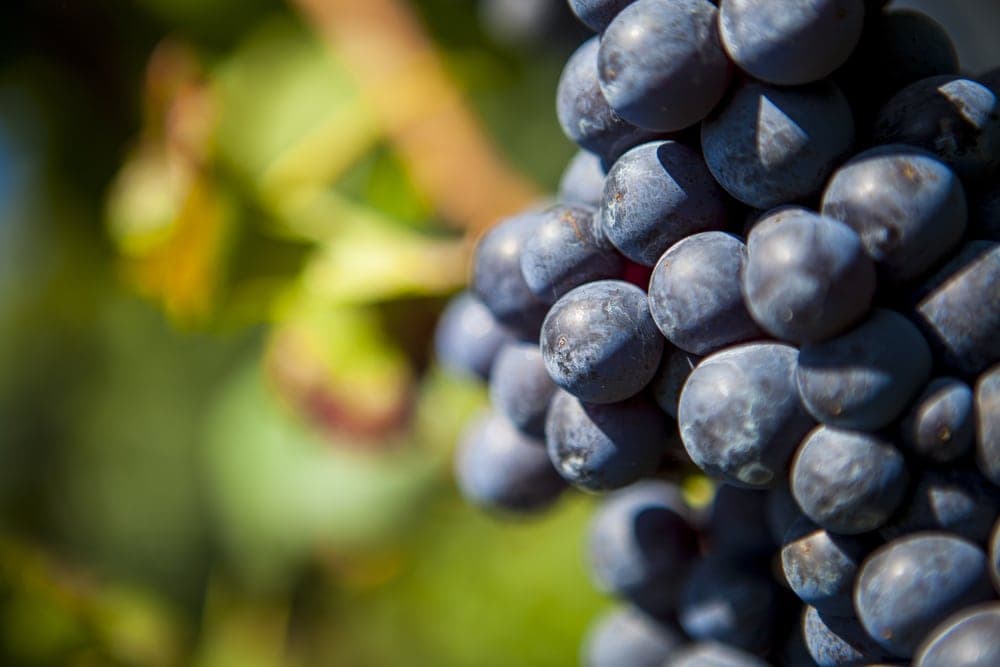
402	77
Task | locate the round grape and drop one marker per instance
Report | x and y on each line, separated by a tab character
768	146
499	468
599	447
907	206
806	277
848	482
600	343
661	63
566	250
790	42
864	378
497	278
655	195
908	586
739	414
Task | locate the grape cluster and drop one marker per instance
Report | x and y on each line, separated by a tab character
775	263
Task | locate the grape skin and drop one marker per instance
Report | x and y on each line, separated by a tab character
714	654
641	543
661	64
729	600
627	636
987	398
582	182
835	641
940	423
567	250
955	118
600	447
863	379
597	14
468	337
908	586
820	566
499	468
790	42
806	277
739	414
966	639
907	206
584	114
959	309
848	482
520	387
694	294
497	278
600	343
657	194
958	501
768	145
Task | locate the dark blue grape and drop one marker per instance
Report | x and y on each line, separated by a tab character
729	600
820	566
908	207
500	468
847	481
988	424
896	49
598	447
566	250
863	379
641	544
597	14
970	638
957	119
713	654
908	586
737	524
909	46
959	311
768	145
655	195
807	277
669	380
627	636
739	414
661	63
497	279
583	180
694	294
837	641
790	42
468	337
600	343
781	512
940	424
960	502
520	387
585	116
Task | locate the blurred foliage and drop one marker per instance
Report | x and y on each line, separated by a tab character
226	229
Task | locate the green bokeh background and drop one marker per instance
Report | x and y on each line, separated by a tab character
167	495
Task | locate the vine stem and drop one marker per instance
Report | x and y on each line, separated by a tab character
444	146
